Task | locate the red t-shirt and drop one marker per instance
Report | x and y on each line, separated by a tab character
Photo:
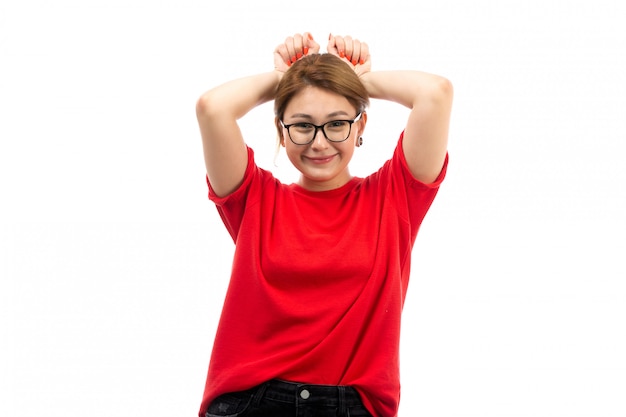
318	282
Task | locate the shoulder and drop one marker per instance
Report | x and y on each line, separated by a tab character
254	181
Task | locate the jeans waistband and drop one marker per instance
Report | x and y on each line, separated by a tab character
299	393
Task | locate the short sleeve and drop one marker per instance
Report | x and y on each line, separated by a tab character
231	207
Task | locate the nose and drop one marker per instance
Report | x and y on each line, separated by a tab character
319	140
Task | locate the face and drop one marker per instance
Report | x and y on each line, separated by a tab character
323	165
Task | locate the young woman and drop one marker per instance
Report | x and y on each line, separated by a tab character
311	321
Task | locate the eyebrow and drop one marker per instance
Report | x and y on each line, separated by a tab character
309	117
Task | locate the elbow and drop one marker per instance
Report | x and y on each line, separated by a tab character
437	92
438	95
206	106
442	91
215	105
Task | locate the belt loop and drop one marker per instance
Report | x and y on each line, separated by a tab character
343	407
258	395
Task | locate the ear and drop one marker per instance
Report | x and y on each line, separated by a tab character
361	123
279	131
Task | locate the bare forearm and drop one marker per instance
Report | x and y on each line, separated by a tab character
408	88
235	98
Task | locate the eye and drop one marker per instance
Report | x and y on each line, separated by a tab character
303	127
337	125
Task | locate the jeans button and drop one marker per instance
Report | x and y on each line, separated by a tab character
304	394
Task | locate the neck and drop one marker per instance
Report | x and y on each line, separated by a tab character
317	186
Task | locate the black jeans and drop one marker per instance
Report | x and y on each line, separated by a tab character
289	399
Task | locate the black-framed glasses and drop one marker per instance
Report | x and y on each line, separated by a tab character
303	133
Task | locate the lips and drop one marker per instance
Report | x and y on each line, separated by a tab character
320	159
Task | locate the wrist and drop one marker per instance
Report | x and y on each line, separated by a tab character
366	80
279	75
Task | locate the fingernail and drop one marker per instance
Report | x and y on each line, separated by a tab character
341	54
362	61
354	61
299	55
306	50
293	59
310	37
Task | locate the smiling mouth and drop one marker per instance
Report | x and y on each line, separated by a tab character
321	160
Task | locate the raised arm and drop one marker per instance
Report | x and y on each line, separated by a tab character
428	96
218	110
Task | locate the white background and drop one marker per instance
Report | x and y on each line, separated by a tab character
114	263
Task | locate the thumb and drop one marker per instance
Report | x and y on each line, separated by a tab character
332	45
310	45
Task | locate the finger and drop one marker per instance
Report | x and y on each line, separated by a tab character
298	45
349	47
356	52
332	45
341	46
284	54
310	45
365	53
291	50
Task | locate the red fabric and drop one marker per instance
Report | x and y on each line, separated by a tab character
318	282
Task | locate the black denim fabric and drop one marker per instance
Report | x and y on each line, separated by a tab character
278	398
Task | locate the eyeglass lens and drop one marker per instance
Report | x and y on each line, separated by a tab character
336	131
